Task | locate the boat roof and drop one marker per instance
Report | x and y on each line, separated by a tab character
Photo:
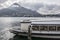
43	20
46	22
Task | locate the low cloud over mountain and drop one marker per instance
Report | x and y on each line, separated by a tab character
49	9
15	10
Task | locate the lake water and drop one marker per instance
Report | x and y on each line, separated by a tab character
6	23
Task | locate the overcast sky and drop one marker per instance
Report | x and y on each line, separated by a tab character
31	4
6	3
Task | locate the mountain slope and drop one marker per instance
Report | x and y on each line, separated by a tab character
16	10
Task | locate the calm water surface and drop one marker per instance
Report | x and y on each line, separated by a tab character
7	23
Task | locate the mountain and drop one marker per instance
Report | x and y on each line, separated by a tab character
15	10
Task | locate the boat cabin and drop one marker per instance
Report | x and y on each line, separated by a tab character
41	25
46	26
25	24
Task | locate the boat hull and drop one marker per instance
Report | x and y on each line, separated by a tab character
41	34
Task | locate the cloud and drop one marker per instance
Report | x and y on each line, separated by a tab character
49	9
7	3
38	5
2	1
34	6
31	4
42	1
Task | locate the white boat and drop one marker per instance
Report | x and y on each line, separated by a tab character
43	28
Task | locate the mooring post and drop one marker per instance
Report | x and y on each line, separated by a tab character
29	33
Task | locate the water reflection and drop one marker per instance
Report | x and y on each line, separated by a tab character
17	37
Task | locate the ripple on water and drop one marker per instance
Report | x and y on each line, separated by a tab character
5	34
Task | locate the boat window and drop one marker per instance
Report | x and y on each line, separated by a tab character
43	28
35	28
58	28
52	28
